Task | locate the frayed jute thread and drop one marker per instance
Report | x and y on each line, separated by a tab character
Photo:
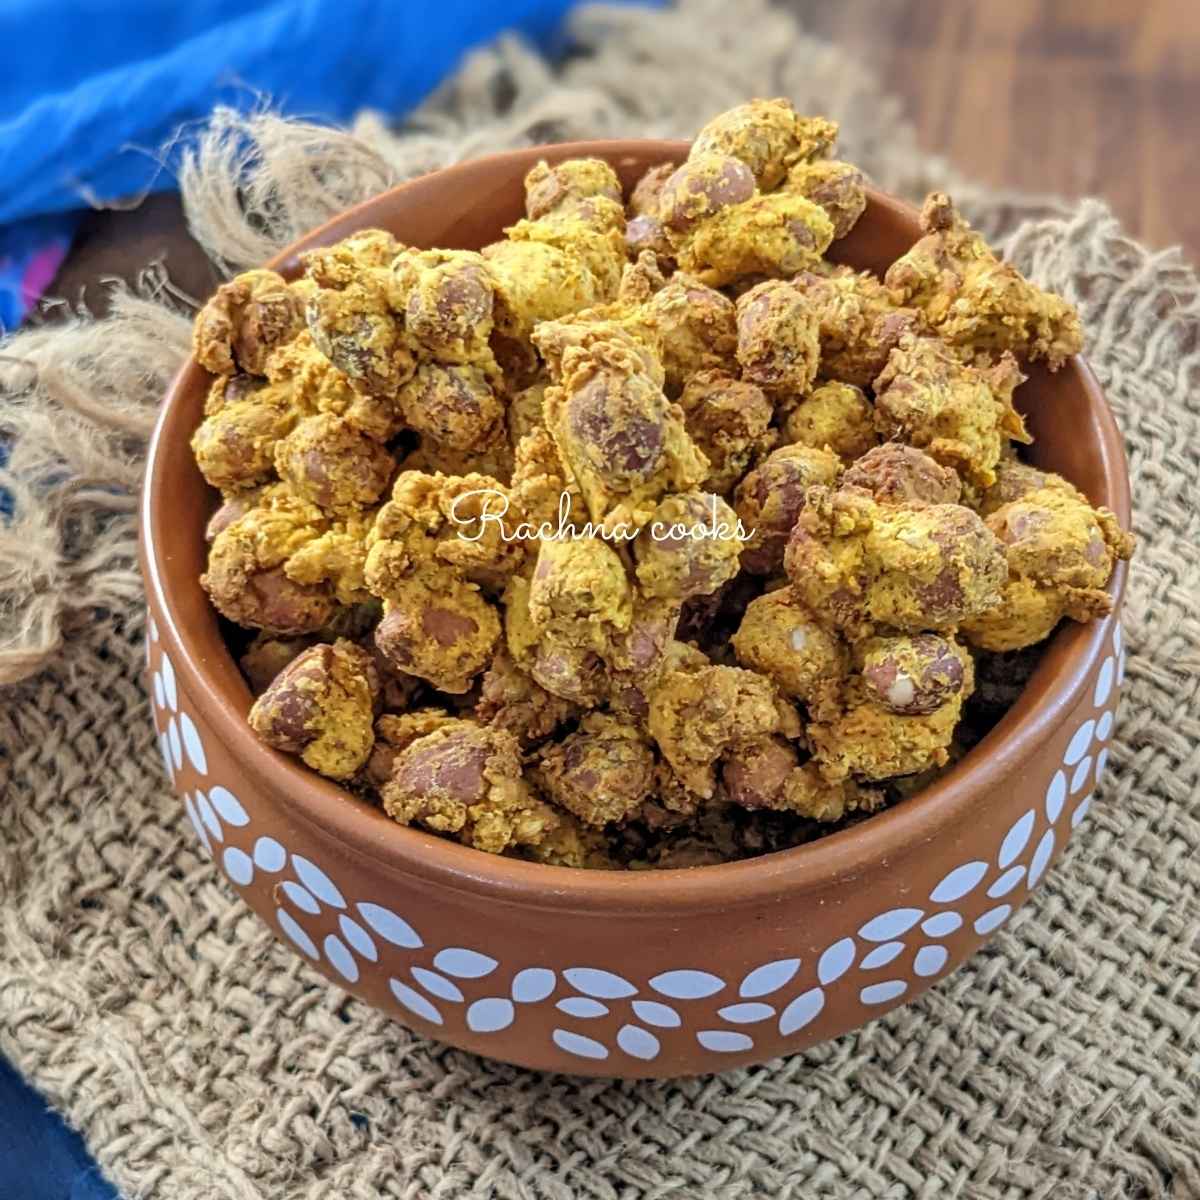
202	1061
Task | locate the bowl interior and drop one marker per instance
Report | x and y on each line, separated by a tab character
467	206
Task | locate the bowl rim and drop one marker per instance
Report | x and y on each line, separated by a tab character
1050	695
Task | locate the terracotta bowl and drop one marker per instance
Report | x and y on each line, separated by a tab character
648	974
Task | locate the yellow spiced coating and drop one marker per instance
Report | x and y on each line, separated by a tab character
623	442
644	536
970	298
326	460
247	578
1060	553
857	564
604	772
870	742
697	328
449	303
962	416
247	318
729	419
834	416
696	716
778	345
858	324
769	136
838	187
689	548
465	780
771	498
321	707
779	234
566	184
235	446
783	640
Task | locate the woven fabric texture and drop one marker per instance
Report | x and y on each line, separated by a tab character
202	1061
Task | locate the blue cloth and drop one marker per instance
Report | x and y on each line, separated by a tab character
40	1158
90	90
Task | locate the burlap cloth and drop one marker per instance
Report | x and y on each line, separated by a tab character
202	1060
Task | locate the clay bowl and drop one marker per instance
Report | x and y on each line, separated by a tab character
648	974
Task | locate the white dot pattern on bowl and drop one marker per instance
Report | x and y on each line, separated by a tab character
438	985
374	931
880	956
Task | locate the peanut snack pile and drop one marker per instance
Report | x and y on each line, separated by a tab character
645	536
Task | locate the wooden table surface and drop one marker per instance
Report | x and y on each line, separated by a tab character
1071	97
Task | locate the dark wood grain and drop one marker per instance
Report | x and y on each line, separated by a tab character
1074	97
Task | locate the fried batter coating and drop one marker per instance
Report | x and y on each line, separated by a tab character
607	328
304	378
246	578
342	263
326	460
960	415
637	657
454	405
914	567
450	297
439	628
690	547
465	780
537	282
511	700
565	184
394	732
770	498
337	556
969	298
898	474
781	639
623	442
778	345
867	741
321	707
494	460
699	188
464	523
248	317
935	566
911	675
838	187
834	416
776	235
524	413
769	136
1015	480
590	230
696	716
355	325
235	446
580	590
858	323
602	774
697	326
266	656
1060	554
766	774
729	420
540	481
